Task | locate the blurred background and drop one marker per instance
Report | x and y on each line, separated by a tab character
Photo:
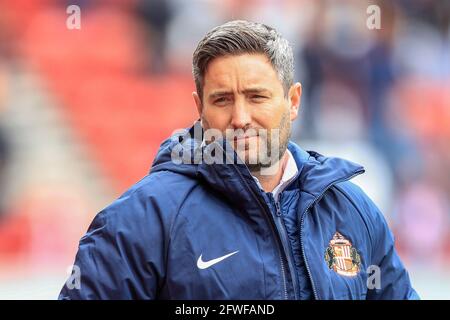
83	111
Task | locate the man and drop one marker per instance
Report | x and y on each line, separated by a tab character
265	220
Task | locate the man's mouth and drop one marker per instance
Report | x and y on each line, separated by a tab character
246	137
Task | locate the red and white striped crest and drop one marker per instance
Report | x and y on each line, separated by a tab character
342	257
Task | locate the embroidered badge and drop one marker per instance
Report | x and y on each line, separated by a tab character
342	257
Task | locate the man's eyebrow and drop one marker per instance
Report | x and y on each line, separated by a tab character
256	90
218	94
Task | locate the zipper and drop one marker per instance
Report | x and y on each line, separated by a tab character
302	221
283	273
268	216
289	256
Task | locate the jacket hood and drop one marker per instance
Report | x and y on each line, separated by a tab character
316	172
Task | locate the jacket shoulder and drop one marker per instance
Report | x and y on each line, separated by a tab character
152	203
163	189
396	283
373	218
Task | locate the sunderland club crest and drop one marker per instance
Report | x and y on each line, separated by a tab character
342	257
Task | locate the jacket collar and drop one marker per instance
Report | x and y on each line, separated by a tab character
234	182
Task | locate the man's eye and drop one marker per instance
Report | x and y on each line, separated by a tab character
257	97
221	101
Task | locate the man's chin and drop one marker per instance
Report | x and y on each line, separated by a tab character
249	157
255	163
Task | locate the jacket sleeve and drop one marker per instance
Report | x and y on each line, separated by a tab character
122	254
394	281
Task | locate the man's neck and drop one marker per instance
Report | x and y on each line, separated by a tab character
270	181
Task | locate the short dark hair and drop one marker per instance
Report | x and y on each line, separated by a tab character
240	37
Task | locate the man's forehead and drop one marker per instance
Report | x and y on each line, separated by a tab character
249	72
246	66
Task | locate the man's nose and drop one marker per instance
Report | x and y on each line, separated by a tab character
241	116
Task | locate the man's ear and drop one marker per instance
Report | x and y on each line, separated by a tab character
198	103
295	95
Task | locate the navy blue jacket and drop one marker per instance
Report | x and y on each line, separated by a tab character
206	231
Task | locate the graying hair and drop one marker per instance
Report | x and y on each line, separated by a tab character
240	37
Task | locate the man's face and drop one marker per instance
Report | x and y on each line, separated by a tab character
244	93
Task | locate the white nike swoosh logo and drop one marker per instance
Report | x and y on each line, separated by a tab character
206	264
